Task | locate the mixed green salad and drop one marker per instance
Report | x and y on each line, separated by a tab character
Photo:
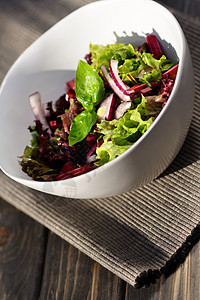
116	94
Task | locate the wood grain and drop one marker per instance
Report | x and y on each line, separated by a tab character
188	7
22	250
69	274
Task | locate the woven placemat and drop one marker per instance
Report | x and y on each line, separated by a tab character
137	235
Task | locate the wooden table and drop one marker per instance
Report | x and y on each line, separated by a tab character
34	262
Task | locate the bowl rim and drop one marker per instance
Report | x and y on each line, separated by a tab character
150	129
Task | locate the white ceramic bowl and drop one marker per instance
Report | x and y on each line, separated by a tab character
50	61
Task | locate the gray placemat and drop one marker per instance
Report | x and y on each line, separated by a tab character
137	235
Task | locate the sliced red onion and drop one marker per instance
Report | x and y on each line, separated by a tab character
54	107
111	111
91	159
46	110
113	64
38	111
107	108
121	109
113	85
91	151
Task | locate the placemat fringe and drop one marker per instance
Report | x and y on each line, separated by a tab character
150	277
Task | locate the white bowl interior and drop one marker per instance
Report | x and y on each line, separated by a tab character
50	61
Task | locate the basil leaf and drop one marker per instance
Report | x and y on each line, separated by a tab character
81	126
89	86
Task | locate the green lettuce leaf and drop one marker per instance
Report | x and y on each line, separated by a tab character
144	67
108	151
157	65
101	55
131	63
119	135
150	61
165	64
130	66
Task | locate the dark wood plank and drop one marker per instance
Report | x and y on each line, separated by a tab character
178	4
189	7
22	251
22	22
69	274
